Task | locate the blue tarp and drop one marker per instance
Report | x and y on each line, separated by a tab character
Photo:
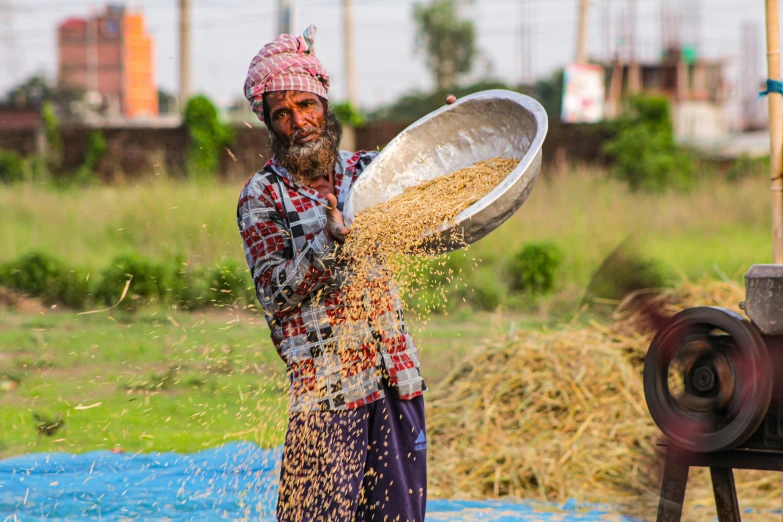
233	482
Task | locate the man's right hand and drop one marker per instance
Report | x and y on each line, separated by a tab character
335	225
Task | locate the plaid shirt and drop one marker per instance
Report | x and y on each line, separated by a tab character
298	281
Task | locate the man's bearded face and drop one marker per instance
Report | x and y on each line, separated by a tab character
306	160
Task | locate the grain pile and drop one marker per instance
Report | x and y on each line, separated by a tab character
389	239
559	415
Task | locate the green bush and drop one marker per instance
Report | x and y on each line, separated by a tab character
42	275
96	149
86	173
149	282
644	152
12	166
532	270
54	141
208	137
187	288
485	290
349	115
230	282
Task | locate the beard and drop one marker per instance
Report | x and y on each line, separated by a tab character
314	159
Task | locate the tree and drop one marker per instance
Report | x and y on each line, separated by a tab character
208	137
448	41
37	90
31	92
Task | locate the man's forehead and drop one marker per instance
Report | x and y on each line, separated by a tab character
290	96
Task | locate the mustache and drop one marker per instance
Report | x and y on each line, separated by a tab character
302	133
314	158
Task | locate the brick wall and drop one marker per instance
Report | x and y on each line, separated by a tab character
136	151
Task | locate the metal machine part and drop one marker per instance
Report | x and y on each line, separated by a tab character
708	379
764	298
485	125
709	382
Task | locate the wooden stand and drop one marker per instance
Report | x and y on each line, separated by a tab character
722	466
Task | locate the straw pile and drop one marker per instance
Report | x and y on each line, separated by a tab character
559	415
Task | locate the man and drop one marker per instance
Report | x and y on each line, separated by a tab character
355	447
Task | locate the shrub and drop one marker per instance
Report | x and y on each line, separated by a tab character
349	115
532	270
187	288
208	137
85	174
149	282
644	152
73	289
230	282
54	142
45	276
485	289
12	166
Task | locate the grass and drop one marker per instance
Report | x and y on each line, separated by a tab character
162	381
720	227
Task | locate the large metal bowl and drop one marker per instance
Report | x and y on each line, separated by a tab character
485	125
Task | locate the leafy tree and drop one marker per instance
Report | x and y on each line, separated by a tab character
644	152
349	115
549	93
208	137
33	91
413	105
448	41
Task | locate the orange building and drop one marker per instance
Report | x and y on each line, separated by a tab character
110	54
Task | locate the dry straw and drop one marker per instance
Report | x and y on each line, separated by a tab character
561	414
390	239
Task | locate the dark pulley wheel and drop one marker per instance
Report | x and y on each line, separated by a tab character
708	379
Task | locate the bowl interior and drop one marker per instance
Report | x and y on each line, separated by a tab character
476	128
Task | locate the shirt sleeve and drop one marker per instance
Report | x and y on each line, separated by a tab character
282	280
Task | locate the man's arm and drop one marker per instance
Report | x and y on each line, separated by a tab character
282	280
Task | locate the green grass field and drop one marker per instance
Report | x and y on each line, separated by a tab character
169	381
164	380
718	228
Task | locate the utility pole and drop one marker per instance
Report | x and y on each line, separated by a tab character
351	89
607	30
184	52
664	7
286	17
750	74
775	129
581	38
634	73
526	42
9	37
352	95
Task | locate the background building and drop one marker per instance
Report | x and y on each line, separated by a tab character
111	57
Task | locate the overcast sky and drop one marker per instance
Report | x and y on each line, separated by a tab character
227	33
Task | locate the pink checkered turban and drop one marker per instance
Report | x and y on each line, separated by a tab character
286	64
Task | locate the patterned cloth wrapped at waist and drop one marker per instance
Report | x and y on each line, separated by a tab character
333	363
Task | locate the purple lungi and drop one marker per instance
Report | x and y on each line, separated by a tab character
369	463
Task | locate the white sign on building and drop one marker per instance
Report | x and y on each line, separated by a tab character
583	93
